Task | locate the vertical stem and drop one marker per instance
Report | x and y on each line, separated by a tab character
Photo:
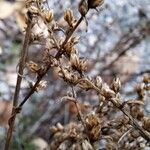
18	84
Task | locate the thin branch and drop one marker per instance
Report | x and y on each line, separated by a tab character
19	78
121	138
77	107
18	84
133	122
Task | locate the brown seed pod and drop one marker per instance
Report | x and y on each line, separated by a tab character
92	4
116	85
49	16
146	79
83	8
69	17
146	124
99	82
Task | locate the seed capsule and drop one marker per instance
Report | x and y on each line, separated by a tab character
49	16
83	7
94	3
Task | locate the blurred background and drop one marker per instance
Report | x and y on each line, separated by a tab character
116	43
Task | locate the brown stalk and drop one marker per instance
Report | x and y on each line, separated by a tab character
133	122
77	107
18	84
16	109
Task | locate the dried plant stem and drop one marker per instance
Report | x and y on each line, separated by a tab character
133	122
58	55
77	107
33	89
16	109
18	84
68	37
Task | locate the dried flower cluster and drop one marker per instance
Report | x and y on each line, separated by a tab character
129	130
101	126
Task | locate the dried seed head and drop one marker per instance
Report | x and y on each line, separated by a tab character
86	145
69	17
85	85
33	67
69	46
33	10
68	76
41	85
74	59
107	92
59	126
69	49
49	15
140	90
53	129
146	124
93	124
146	79
83	7
99	82
94	3
116	85
78	64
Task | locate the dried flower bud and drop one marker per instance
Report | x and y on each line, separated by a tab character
49	15
95	3
41	85
33	67
146	79
69	49
69	46
78	64
116	85
33	10
86	145
59	126
68	76
93	124
99	82
146	124
85	85
69	17
53	129
140	90
83	7
74	59
107	92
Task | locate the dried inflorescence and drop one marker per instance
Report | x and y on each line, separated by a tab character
100	123
96	125
69	137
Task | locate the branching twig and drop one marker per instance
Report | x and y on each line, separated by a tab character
117	104
133	122
20	72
